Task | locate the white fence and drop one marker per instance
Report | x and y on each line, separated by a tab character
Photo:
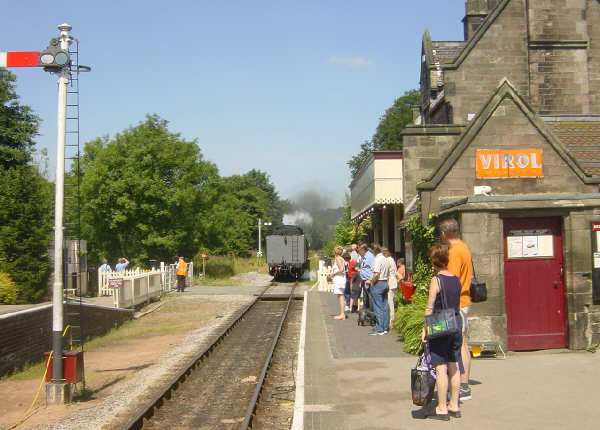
133	287
324	284
137	289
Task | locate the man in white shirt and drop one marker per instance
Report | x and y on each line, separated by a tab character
379	292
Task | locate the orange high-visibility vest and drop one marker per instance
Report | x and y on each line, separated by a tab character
182	268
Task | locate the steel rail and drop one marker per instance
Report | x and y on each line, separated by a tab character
156	402
247	423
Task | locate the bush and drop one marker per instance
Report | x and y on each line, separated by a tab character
216	267
8	290
408	320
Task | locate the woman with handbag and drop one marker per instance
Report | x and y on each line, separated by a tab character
442	330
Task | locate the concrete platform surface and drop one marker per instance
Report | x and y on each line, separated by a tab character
9	309
356	381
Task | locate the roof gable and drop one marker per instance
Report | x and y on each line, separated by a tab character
504	90
458	51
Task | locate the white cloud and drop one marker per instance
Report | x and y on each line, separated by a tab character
353	62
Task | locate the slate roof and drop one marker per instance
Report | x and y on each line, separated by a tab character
582	139
446	51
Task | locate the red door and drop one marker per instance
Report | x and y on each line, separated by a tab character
534	288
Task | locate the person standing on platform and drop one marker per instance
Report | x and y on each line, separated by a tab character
181	273
401	270
354	253
460	264
352	275
105	266
338	277
392	284
379	292
121	265
444	350
366	267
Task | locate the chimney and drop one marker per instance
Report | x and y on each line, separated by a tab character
475	13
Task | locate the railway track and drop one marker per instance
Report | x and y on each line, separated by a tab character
221	387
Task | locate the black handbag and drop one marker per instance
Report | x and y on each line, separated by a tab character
444	322
422	379
478	290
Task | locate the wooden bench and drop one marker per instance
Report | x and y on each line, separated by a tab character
485	349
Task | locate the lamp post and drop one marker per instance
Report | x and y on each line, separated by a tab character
260	224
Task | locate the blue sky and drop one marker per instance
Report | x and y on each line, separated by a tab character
288	87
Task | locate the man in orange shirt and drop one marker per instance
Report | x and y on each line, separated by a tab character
460	265
181	273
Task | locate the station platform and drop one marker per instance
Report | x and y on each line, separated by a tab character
355	381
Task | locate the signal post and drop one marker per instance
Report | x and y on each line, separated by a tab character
55	59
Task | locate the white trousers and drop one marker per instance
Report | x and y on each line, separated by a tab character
391	294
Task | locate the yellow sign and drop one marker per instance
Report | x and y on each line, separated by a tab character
508	163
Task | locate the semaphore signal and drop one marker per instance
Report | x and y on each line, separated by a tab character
55	59
52	59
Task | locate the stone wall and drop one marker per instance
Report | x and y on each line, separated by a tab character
559	65
583	315
482	232
26	335
424	148
593	25
501	52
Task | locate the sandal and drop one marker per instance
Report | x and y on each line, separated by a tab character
435	416
454	414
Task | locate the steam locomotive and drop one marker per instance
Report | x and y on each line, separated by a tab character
287	253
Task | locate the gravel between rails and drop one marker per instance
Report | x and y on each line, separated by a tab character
276	405
134	392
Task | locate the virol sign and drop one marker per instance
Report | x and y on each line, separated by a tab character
508	163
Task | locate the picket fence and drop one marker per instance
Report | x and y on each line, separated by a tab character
133	287
323	283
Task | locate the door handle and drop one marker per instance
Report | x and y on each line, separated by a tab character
556	284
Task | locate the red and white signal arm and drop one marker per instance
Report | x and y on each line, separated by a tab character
20	59
52	59
204	256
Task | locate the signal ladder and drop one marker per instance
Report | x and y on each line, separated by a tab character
75	256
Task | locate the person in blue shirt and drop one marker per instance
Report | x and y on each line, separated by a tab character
366	262
105	266
121	265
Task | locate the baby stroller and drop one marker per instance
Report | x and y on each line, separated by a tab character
366	316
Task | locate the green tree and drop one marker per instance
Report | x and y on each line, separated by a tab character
241	201
18	125
25	199
388	133
143	194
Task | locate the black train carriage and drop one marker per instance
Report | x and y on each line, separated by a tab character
287	253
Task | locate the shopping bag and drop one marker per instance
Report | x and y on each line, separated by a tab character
422	380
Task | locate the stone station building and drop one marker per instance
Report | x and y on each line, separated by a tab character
507	141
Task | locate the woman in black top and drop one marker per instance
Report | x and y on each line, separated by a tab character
444	350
